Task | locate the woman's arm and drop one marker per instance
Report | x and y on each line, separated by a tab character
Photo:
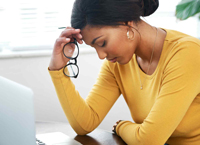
180	86
85	115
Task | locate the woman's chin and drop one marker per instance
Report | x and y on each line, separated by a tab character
123	62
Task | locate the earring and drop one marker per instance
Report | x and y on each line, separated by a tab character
128	35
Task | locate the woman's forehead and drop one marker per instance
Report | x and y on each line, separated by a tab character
91	29
89	33
96	30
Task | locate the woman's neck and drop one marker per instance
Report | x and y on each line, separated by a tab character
151	39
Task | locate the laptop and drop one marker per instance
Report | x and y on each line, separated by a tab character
17	124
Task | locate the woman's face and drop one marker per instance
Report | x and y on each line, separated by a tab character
110	43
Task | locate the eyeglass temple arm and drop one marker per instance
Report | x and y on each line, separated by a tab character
72	70
61	27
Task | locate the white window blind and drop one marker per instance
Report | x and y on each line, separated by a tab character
32	24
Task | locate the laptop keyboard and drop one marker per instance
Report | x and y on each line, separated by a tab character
39	142
55	138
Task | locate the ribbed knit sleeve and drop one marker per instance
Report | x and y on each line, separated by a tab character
85	115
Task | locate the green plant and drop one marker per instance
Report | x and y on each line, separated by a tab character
187	8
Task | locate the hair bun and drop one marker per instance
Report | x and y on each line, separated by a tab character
149	6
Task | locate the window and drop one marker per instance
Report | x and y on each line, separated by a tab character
32	24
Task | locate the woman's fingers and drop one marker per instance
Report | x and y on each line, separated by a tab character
114	126
78	38
69	32
61	41
114	129
118	121
72	33
69	27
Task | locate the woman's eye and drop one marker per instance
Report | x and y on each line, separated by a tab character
104	43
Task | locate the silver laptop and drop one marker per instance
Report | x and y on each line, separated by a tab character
17	124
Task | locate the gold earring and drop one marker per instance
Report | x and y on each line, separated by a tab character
128	35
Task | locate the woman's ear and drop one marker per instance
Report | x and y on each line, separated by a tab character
126	23
130	23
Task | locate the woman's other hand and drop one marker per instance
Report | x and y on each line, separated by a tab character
114	127
58	60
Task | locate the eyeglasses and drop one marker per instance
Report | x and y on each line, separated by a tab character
71	69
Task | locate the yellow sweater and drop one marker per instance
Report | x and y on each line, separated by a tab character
166	110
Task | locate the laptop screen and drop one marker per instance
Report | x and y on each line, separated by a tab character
17	126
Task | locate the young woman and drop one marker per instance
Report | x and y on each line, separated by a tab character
155	69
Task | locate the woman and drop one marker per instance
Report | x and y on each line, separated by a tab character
156	70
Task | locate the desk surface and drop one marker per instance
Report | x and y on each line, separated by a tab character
97	137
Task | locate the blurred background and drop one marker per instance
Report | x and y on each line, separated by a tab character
28	30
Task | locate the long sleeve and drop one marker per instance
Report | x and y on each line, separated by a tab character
179	88
85	115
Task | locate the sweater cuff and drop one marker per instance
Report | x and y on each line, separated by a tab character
56	73
120	126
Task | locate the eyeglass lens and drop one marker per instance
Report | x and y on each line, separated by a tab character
71	50
71	70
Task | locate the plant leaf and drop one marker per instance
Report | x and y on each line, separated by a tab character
187	8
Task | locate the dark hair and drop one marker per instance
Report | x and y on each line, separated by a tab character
110	12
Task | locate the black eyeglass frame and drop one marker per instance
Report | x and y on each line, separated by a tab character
71	58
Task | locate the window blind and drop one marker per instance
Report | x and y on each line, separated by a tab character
31	25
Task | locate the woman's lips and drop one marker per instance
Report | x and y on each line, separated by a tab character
113	60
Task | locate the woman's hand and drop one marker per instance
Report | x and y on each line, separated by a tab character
114	127
58	60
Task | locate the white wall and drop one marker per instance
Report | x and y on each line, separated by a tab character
32	72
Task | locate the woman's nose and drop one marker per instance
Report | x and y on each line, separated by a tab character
102	54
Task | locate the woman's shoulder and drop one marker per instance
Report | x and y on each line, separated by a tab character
178	37
178	45
176	41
